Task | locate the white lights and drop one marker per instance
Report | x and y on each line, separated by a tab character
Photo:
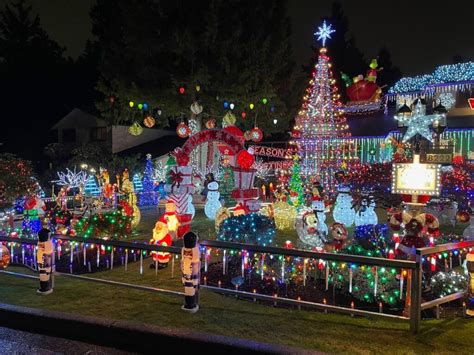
416	178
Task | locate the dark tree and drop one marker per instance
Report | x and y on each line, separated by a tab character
240	53
34	80
390	74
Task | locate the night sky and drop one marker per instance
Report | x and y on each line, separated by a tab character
420	34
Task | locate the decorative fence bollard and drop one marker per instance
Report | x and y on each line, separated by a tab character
190	267
470	293
45	261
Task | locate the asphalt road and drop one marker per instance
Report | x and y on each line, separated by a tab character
19	342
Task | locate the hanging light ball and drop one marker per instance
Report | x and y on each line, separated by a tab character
198	88
131	104
135	129
256	134
275	121
244	114
183	130
181	90
264	100
251	106
159	112
272	109
149	121
196	108
226	104
244	159
140	106
111	99
211	123
231	106
145	106
229	119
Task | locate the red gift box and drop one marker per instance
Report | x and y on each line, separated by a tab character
245	194
184	224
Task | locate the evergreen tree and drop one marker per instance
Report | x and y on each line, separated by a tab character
35	77
390	74
296	184
320	121
147	197
150	50
226	186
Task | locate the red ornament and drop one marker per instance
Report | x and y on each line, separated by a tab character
181	90
296	133
244	159
112	99
256	134
243	114
183	131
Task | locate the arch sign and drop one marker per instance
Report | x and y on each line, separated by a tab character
211	135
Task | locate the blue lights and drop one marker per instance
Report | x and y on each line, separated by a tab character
461	73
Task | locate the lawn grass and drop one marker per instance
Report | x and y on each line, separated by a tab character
245	319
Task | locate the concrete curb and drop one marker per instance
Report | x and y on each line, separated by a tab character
129	336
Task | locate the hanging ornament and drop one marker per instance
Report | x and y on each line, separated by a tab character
244	114
183	130
198	88
251	106
131	104
228	120
244	159
135	129
149	121
111	99
196	108
181	90
211	123
256	135
247	136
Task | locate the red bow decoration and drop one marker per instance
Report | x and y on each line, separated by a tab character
176	178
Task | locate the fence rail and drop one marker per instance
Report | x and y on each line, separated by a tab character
413	268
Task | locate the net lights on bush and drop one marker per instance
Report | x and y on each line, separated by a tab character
251	228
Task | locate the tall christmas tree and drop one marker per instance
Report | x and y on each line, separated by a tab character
296	184
321	123
91	187
147	197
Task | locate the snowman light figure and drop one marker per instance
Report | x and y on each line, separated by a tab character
343	211
320	211
212	201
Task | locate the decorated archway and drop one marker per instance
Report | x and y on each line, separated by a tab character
211	135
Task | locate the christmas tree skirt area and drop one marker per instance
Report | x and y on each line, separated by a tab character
226	315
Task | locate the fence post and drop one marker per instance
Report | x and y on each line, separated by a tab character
415	296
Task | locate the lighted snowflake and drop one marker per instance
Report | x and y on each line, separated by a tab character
324	33
70	178
263	170
447	99
159	173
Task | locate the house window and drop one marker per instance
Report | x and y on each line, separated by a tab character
69	135
99	134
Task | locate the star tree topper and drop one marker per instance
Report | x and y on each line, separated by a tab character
324	33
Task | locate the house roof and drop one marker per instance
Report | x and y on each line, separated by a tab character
156	147
79	119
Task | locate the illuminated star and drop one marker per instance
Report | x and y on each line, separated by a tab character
324	33
418	124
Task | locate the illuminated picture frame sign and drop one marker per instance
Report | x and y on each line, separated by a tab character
416	178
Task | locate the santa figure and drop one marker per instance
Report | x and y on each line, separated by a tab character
161	237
